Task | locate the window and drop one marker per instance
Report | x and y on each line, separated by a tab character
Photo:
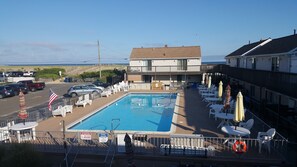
147	78
253	91
254	63
179	78
182	64
148	65
291	103
237	62
275	64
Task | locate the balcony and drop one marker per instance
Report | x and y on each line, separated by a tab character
163	70
282	82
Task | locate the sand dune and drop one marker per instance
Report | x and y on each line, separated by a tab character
70	70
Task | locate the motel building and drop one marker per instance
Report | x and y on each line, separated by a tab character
266	72
164	65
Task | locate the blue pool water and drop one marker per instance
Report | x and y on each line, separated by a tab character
134	112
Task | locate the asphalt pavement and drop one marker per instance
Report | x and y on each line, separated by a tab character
10	106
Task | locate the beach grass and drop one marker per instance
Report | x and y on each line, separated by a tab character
69	69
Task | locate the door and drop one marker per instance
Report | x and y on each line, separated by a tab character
182	64
147	64
147	78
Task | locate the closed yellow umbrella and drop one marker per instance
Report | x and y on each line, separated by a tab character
209	82
239	109
220	91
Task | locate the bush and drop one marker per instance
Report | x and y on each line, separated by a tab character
49	73
104	74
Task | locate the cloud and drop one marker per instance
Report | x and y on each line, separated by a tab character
50	46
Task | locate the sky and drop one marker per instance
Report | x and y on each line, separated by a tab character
67	31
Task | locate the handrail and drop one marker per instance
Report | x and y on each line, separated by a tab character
66	155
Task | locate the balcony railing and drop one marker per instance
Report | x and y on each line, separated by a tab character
170	69
182	146
286	83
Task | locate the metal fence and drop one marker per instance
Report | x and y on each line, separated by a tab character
158	145
42	112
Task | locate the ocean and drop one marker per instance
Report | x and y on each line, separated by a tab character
210	62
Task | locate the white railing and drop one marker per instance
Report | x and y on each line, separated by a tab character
190	68
155	144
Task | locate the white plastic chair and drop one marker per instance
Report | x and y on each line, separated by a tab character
248	124
264	138
59	111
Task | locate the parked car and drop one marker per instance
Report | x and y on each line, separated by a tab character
29	73
101	84
2	76
17	87
33	86
14	74
77	90
6	91
95	86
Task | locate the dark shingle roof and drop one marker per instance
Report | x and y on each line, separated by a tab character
244	49
279	45
166	52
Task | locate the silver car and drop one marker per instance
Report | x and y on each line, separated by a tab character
77	90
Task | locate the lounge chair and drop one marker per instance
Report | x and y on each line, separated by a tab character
264	138
68	108
83	101
106	92
214	112
187	145
87	99
59	111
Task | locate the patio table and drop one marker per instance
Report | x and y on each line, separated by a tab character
21	127
225	118
239	131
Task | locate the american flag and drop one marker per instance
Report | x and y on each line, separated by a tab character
52	97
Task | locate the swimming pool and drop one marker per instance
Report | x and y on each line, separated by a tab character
151	112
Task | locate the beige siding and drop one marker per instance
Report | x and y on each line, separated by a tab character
134	78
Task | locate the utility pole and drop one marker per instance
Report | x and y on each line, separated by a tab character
99	62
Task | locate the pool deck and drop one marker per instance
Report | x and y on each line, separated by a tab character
192	116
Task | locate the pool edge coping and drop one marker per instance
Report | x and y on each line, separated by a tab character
171	131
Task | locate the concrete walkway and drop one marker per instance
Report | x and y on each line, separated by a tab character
192	115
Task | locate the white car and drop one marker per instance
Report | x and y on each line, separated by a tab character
28	73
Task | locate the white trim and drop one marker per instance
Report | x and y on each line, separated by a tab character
261	44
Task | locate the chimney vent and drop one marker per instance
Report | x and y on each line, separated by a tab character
294	31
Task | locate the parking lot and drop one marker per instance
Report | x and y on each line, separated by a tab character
10	105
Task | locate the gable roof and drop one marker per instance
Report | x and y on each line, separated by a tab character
245	49
279	45
166	52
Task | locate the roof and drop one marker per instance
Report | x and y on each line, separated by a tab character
279	45
166	52
244	49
